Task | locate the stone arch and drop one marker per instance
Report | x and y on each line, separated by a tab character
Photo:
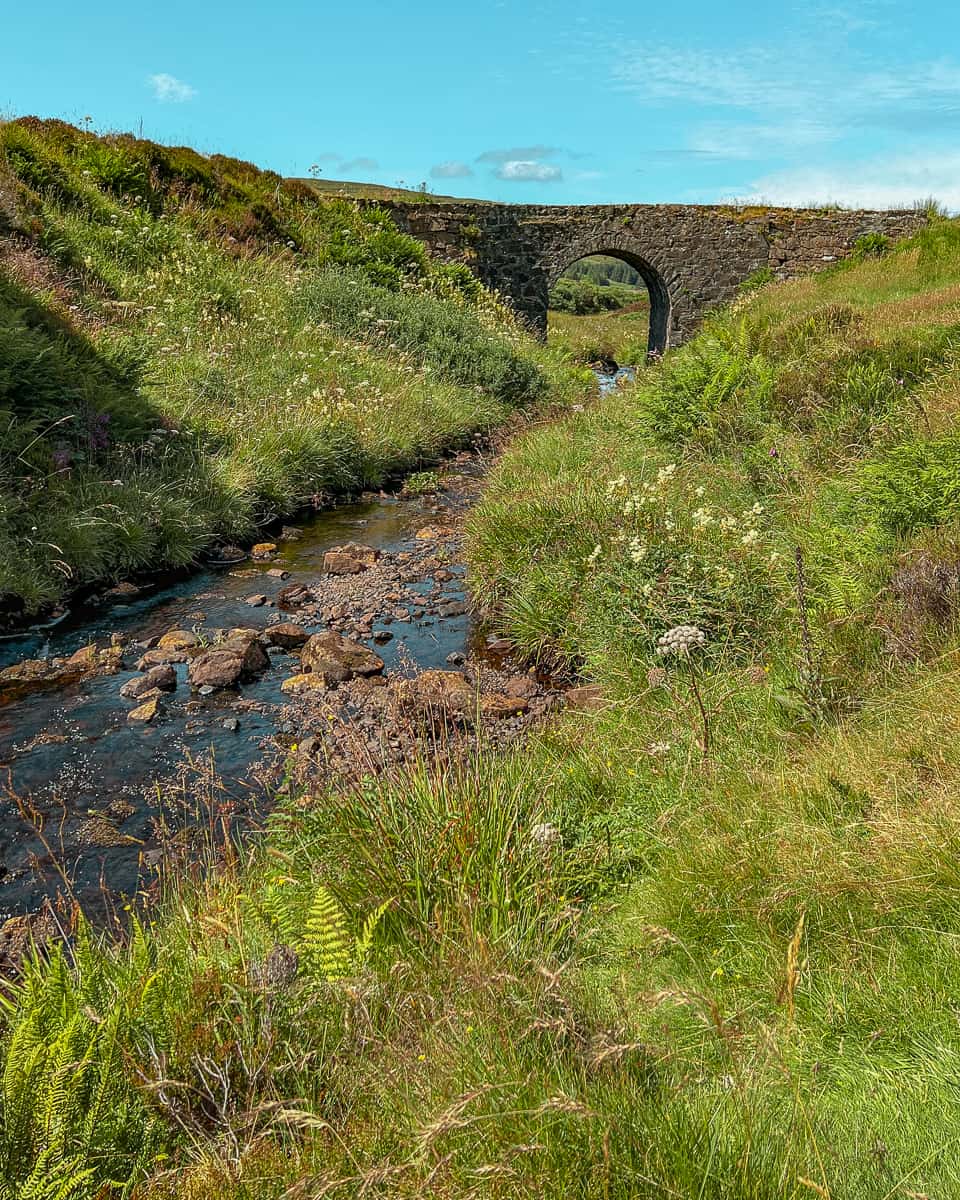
657	281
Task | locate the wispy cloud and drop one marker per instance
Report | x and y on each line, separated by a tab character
887	181
451	170
528	171
804	93
518	154
359	164
168	88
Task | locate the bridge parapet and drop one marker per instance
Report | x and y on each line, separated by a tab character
692	257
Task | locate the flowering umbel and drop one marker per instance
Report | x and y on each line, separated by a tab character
680	640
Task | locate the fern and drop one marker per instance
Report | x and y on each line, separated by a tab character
327	946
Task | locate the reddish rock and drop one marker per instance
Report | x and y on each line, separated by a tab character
338	658
179	639
229	662
336	562
263	550
161	677
437	695
294	596
287	635
522	687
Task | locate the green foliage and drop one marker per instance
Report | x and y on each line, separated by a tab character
710	390
583	296
436	335
757	279
870	245
69	1119
146	391
914	485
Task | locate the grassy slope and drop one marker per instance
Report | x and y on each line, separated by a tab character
172	366
620	335
609	965
377	191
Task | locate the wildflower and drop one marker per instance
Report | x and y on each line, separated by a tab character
773	452
544	837
594	554
700	493
680	640
658	748
749	537
637	551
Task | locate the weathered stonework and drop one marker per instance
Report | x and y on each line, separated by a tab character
691	257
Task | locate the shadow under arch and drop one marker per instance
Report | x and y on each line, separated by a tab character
658	338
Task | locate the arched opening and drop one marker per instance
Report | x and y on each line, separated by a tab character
610	304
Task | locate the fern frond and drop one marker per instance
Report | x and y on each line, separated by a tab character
327	945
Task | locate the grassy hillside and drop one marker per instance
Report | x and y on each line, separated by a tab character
345	189
191	347
698	939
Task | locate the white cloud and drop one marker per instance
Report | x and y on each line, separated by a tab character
887	182
169	88
518	170
518	154
450	170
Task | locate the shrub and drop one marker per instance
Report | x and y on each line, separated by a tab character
440	336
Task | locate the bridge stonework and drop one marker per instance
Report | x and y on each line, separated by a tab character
692	258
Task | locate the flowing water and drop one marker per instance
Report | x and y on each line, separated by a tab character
72	755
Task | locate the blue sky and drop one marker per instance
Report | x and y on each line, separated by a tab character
564	102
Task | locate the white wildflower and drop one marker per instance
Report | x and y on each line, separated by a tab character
680	640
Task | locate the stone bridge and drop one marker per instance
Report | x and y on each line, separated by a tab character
691	257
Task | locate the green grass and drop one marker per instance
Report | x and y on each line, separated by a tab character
162	315
697	942
621	335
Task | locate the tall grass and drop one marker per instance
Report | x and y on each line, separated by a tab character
162	315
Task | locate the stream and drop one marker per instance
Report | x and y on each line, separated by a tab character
93	794
106	791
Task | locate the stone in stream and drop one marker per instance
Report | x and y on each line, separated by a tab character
34	674
256	601
263	550
278	573
294	596
287	635
336	562
295	685
162	677
178	639
453	608
337	658
122	591
226	664
146	711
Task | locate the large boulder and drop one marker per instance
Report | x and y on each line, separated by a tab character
337	658
228	663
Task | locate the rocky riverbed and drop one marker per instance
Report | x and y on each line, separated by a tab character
341	646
